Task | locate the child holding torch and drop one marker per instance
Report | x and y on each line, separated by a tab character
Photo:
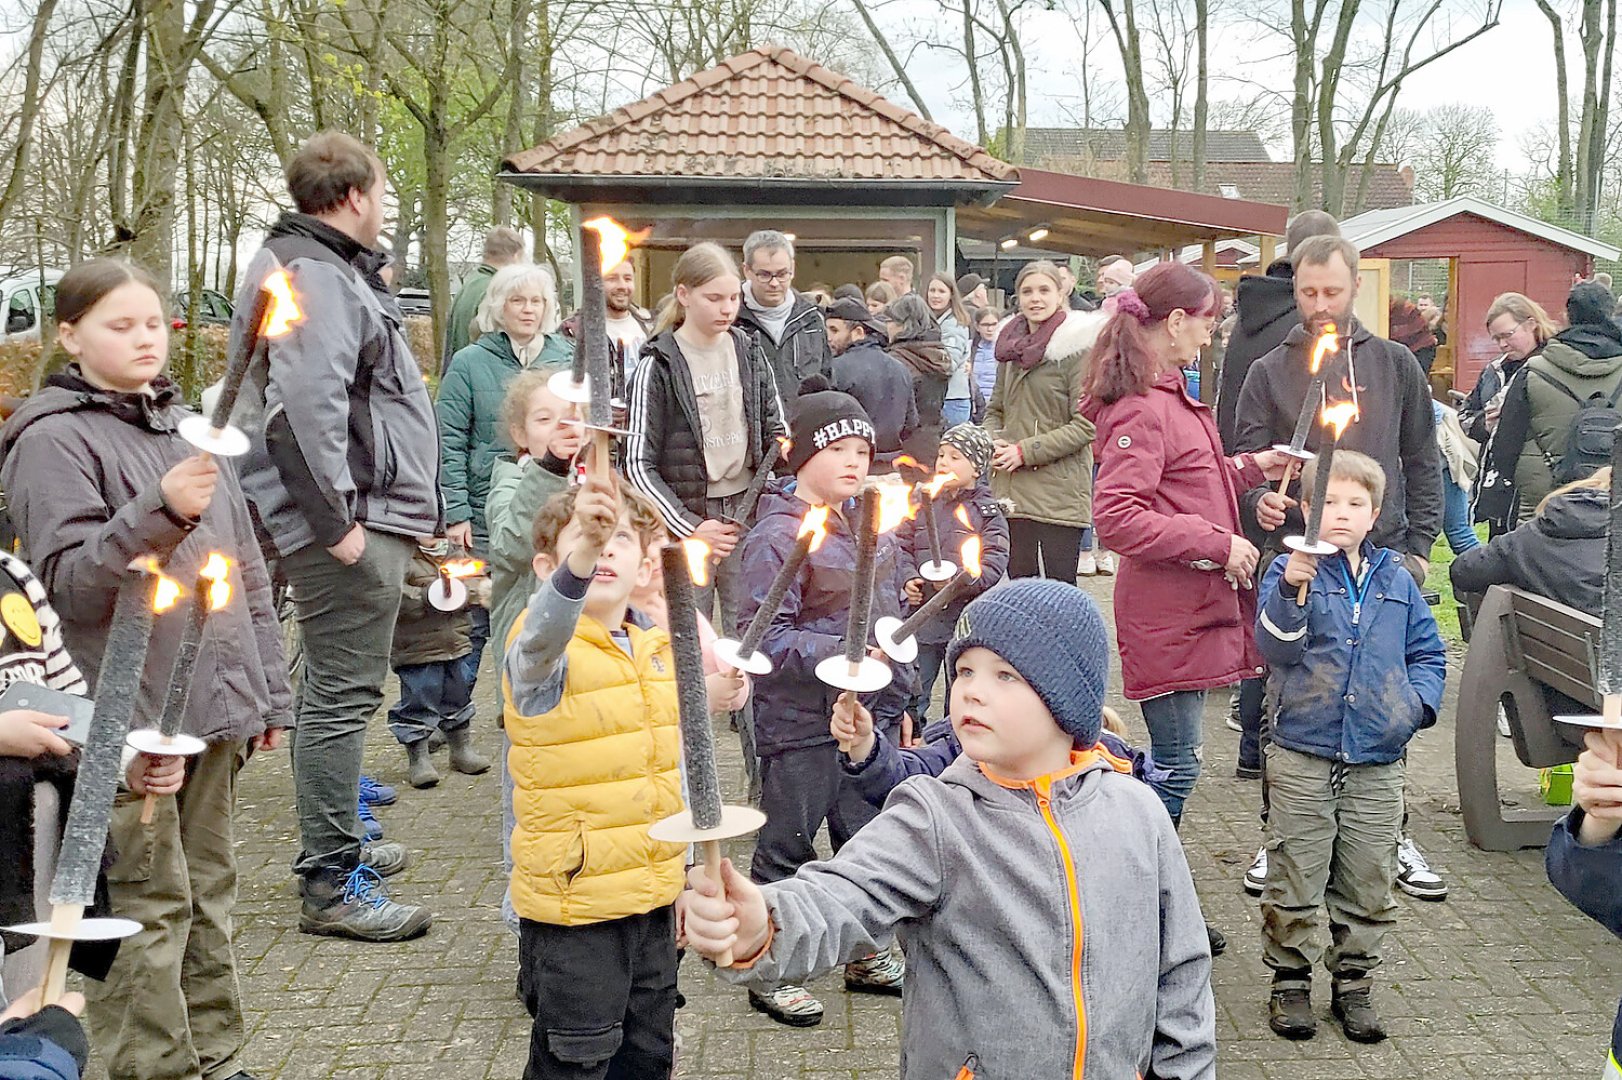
591	710
98	475
1335	763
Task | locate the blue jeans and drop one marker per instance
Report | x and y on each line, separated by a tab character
1177	739
433	697
956	411
1456	518
1252	700
480	634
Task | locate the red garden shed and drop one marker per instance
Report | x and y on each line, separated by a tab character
1488	251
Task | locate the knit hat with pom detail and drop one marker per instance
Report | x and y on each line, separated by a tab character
1054	636
821	416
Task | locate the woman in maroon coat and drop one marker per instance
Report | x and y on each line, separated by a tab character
1166	500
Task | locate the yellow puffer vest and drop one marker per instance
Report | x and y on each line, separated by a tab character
589	778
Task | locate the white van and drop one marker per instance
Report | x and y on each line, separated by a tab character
24	301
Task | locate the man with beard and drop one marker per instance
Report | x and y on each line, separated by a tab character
878	381
787	325
1265	306
1395	427
627	324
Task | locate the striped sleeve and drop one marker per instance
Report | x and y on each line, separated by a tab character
61	673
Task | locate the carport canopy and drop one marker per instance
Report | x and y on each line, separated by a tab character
1091	217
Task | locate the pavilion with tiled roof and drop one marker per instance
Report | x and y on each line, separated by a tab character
769	138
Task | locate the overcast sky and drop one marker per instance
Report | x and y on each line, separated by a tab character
1509	70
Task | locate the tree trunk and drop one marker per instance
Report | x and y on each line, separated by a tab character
1202	82
896	66
976	90
436	222
1562	174
29	110
1125	29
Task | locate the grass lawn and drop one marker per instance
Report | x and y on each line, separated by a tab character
1447	611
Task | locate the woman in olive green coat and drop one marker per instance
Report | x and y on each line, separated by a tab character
518	320
1043	464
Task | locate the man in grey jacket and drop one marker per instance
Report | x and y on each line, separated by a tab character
343	475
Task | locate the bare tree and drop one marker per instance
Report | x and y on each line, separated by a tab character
1451	148
1578	169
1123	23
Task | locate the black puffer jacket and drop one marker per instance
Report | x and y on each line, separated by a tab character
883	386
802	352
664	456
1266	311
1560	553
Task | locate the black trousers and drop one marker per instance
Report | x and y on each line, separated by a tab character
603	997
1059	547
799	790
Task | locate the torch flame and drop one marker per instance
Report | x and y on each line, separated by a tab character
815	525
615	241
962	515
895	506
1338	416
937	485
462	568
1328	342
786	443
971	555
217	571
167	593
907	461
284	310
698	560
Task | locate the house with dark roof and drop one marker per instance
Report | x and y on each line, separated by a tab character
1237	165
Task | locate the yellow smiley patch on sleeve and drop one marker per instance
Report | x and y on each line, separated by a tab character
18	615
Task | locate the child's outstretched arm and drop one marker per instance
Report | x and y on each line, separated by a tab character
1185	1012
1426	655
830	912
1281	623
534	663
1584	854
876	765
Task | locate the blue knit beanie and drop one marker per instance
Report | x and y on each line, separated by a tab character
1053	635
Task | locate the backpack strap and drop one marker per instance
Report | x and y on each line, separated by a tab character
1563	388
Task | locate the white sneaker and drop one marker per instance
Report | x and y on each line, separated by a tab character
1106	563
1256	876
789	1004
1088	566
1503	721
1414	874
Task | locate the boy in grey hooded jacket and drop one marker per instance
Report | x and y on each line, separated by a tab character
1048	916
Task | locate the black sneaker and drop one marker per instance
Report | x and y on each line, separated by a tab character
1247	772
1219	940
357	906
1289	1012
386	857
1355	1011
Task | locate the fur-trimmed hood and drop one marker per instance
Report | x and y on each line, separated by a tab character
1075	335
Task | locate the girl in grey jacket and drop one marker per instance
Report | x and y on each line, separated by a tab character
97	475
1048	916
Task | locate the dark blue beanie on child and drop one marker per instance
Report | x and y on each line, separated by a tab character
1054	636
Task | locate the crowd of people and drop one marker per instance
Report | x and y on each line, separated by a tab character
1061	437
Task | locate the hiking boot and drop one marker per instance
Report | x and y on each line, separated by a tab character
1355	1011
465	759
356	906
881	973
1256	876
376	794
789	1004
1219	940
368	820
1289	1012
1087	566
387	858
420	771
1414	874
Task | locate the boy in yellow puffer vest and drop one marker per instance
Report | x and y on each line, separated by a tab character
589	694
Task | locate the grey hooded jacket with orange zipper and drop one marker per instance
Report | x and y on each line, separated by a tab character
1051	927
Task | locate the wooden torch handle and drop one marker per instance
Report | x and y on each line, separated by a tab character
148	805
1289	474
712	870
64	918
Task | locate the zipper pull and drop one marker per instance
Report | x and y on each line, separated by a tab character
1357	611
970	1064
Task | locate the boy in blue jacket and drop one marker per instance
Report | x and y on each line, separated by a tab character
1359	671
964	456
1584	857
802	784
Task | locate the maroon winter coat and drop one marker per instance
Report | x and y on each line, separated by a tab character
1164	499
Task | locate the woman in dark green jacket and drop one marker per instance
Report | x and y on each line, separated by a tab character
518	320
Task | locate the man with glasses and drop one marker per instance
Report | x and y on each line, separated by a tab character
788	326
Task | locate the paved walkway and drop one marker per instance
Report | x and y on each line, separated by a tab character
1502	980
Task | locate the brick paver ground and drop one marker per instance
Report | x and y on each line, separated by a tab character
1504	979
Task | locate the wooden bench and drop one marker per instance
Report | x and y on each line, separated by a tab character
1530	653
